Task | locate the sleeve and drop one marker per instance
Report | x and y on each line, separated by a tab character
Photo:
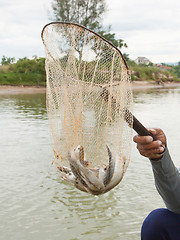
167	181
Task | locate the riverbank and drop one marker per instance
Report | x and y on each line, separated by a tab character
136	86
140	85
14	90
31	72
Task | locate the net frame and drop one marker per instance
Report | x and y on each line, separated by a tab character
107	94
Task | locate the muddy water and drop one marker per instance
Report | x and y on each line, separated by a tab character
36	204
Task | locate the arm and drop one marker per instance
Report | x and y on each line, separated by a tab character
167	181
167	177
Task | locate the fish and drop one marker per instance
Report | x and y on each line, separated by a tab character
95	181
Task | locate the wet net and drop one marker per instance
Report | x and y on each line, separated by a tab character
88	93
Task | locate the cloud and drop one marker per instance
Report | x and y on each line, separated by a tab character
140	13
150	28
21	23
156	44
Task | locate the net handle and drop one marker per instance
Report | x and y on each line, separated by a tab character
137	125
142	131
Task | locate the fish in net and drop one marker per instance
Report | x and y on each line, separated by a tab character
89	104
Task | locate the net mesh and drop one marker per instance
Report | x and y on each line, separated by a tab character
88	88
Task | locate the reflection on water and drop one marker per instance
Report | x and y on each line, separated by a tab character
36	204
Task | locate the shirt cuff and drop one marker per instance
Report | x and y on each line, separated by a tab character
164	165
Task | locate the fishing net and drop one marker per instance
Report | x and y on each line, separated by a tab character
88	93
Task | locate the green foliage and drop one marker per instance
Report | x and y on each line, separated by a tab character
142	72
126	57
176	69
24	72
85	12
145	73
32	72
31	79
7	60
25	65
88	13
111	38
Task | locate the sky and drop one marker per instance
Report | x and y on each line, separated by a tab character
150	28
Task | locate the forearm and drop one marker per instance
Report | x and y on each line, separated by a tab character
167	181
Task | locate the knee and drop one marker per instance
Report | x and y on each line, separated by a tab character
154	225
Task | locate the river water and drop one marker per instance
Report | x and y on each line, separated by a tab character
36	204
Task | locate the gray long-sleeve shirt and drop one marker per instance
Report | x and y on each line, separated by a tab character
167	181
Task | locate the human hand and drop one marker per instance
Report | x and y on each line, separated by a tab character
149	148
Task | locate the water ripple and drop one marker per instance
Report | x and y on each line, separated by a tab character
36	204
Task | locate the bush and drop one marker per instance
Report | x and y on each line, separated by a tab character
24	72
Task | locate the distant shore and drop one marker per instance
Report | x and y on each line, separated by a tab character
136	86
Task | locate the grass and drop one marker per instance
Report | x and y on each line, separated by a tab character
147	73
24	72
13	78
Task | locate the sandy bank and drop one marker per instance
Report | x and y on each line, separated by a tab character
137	85
13	90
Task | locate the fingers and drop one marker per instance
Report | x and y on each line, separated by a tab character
149	148
158	134
152	153
142	139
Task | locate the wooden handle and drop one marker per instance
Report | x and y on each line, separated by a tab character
137	126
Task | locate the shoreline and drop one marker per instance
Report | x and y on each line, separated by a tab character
136	86
144	85
15	90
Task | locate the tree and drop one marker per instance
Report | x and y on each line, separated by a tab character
85	12
177	69
7	60
88	13
119	43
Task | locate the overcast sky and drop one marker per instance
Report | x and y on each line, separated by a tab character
150	28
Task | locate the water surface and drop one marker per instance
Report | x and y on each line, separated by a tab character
36	204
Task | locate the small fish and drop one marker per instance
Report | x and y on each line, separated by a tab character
110	169
68	176
80	154
92	180
85	175
119	170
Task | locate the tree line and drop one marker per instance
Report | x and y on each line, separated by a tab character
88	13
32	72
23	72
